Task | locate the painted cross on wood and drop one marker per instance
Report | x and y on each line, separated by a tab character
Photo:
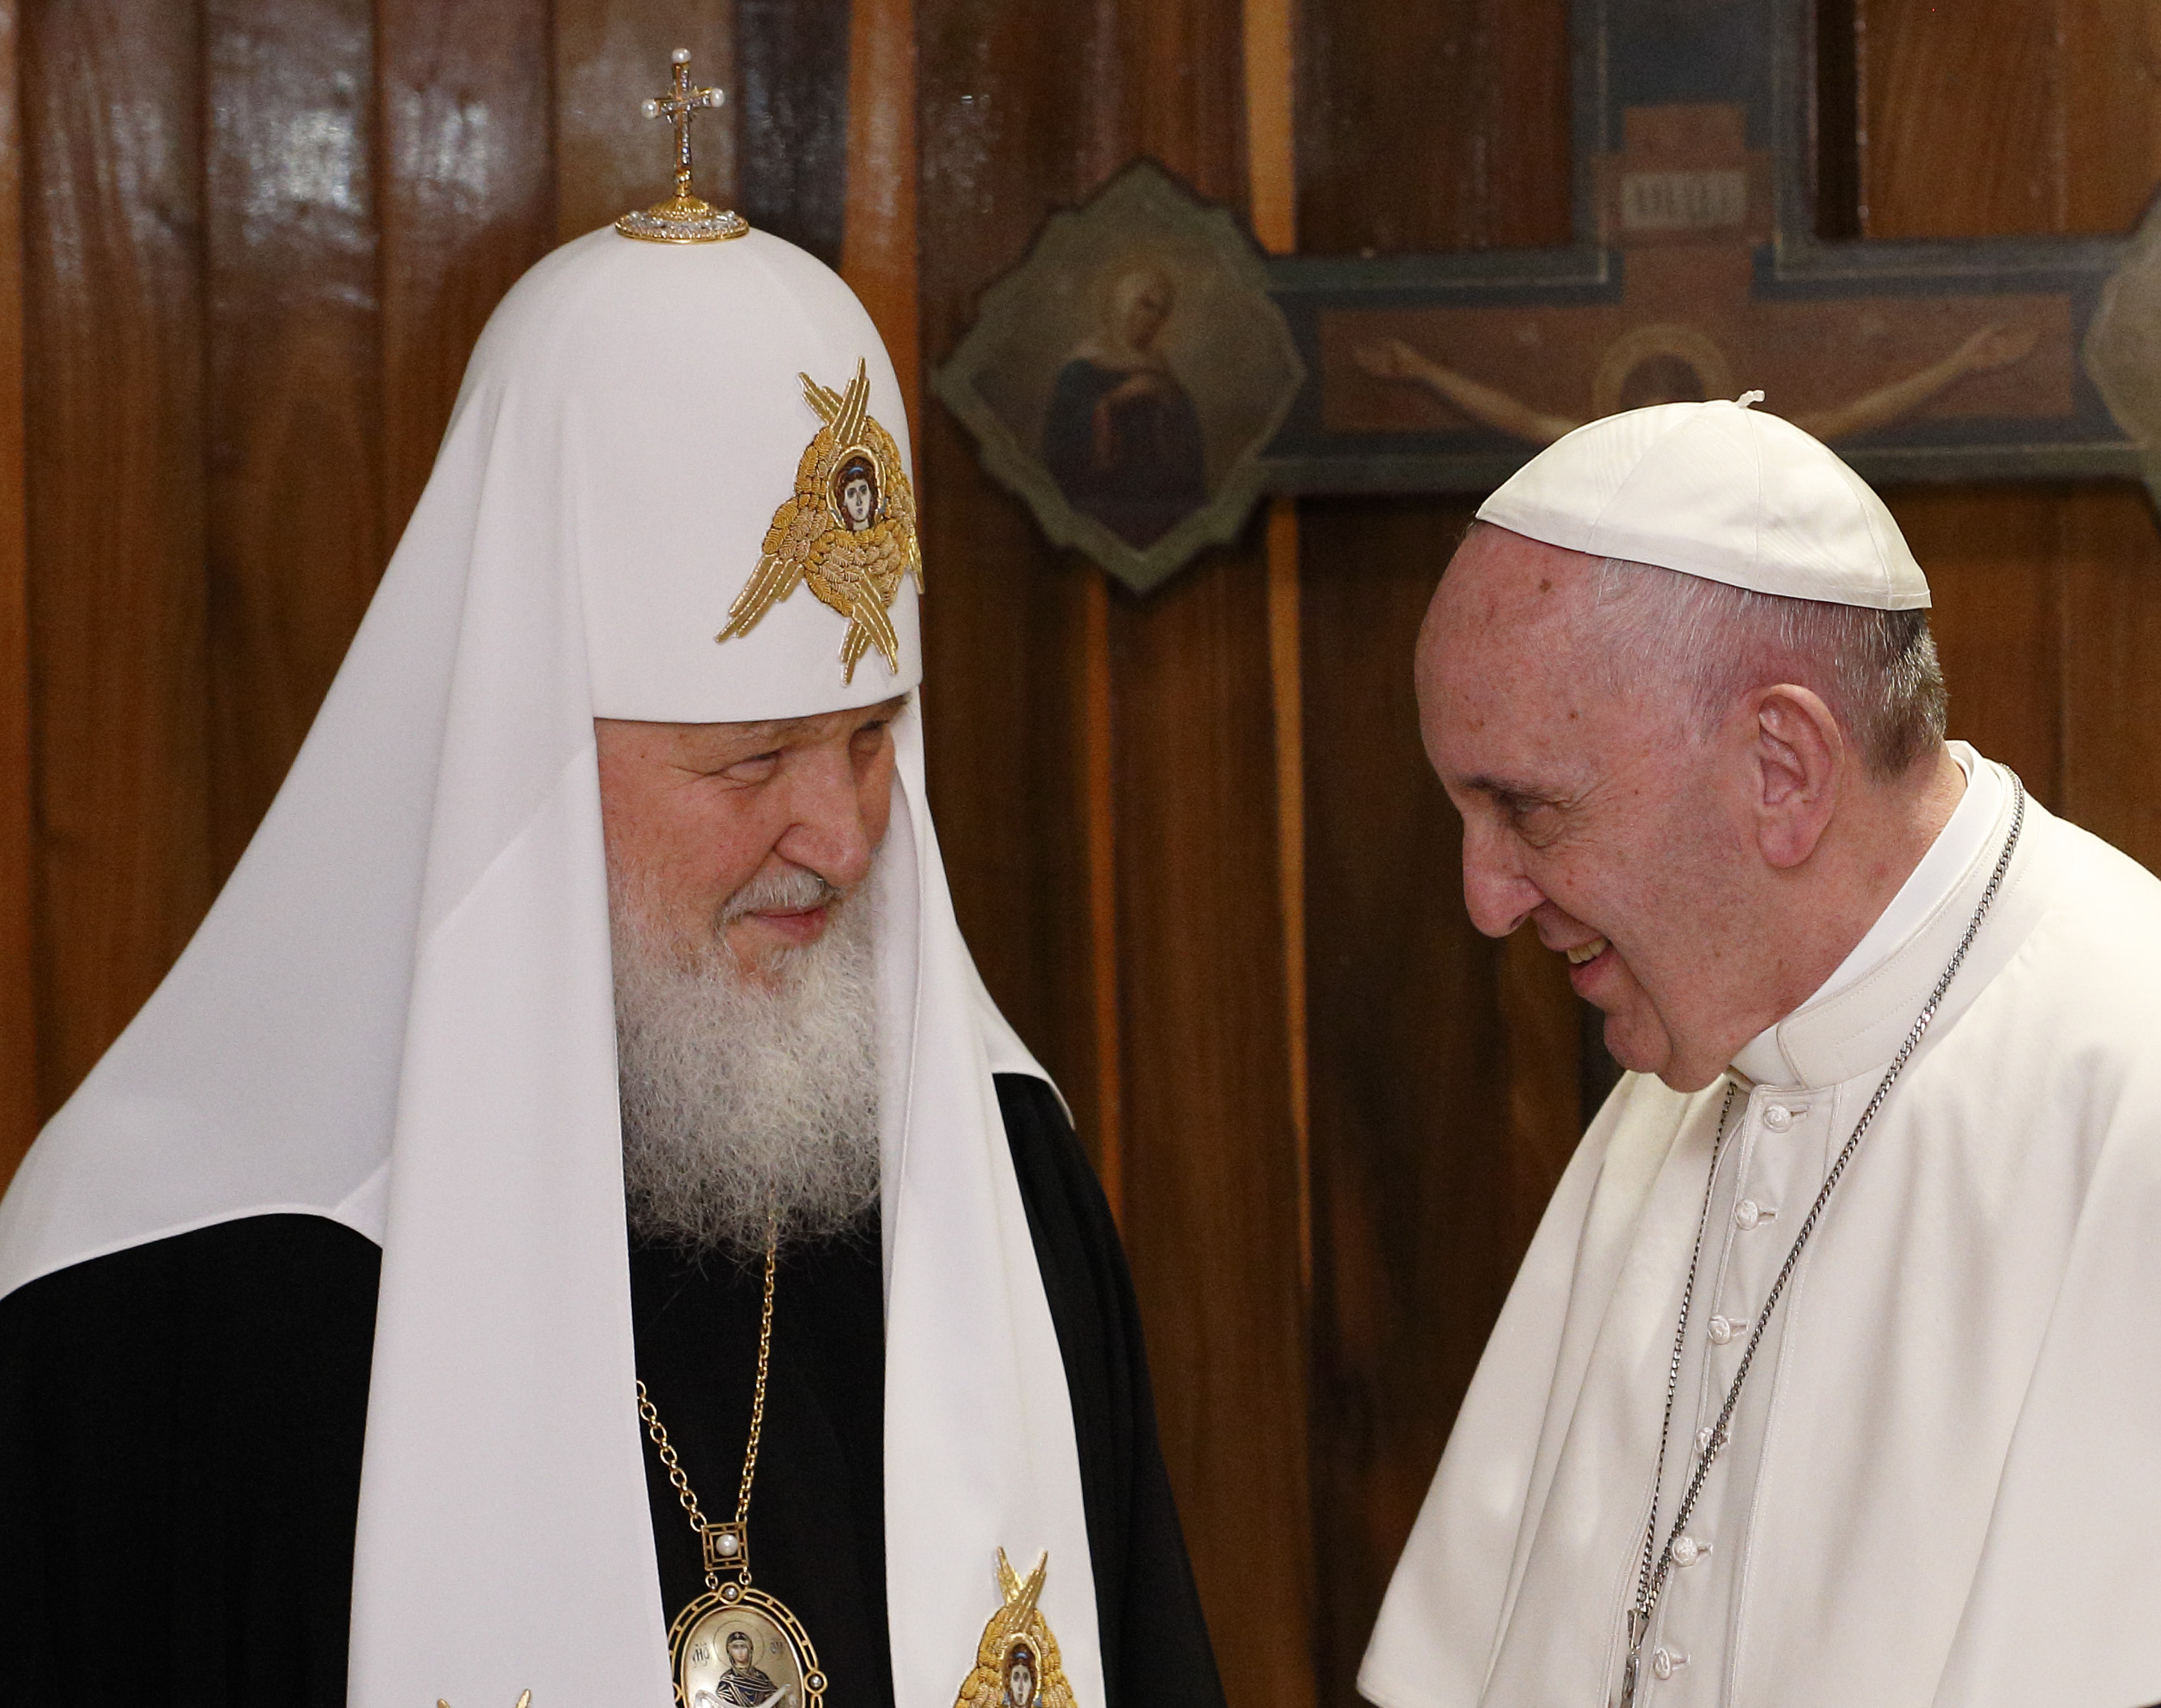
1696	273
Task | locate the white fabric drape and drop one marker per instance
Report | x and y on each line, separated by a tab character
398	1014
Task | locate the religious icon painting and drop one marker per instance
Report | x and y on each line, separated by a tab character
1125	378
2123	351
1016	1663
743	1651
848	529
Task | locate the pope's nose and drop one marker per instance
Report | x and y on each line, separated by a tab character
1497	895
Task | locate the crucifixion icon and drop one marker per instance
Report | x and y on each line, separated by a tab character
1696	272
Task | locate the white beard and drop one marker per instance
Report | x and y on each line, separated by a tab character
746	1105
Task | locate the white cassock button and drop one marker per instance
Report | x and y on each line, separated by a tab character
1703	1439
1777	1117
1687	1550
1748	1214
1722	1330
1664	1660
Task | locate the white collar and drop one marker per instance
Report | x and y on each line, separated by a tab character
1936	876
1858	1016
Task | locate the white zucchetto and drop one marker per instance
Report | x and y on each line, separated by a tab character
1720	491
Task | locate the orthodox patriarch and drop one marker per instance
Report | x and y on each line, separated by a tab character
572	1223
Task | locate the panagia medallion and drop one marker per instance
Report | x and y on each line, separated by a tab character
849	528
736	1646
1016	1664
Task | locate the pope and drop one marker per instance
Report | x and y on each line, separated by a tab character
1831	1374
573	1216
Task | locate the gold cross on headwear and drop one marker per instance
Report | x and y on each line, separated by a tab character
683	217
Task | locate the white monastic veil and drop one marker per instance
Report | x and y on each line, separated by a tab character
399	1013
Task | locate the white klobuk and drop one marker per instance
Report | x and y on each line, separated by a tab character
398	1014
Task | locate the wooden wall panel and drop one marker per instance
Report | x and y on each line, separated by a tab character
1411	1186
1004	124
609	156
792	118
1994	117
1071	729
1990	556
293	419
2000	165
115	509
1445	1066
2110	161
2111	558
19	1015
1213	1193
1997	119
877	241
1432	127
467	202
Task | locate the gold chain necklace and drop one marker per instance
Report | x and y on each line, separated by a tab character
736	1646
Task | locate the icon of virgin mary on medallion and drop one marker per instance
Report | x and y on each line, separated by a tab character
739	1656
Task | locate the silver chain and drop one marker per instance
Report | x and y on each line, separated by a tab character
1651	1583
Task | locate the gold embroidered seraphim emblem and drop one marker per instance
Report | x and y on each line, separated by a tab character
1016	1663
849	530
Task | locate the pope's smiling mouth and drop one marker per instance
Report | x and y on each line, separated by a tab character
1585	952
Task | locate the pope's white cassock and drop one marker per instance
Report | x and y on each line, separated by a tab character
1942	1484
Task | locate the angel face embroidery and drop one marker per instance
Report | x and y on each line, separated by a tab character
1016	1664
1020	1690
856	493
848	529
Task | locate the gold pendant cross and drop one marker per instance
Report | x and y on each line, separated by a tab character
678	107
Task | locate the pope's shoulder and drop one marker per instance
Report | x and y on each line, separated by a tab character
2097	921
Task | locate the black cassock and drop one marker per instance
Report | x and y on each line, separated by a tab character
181	1431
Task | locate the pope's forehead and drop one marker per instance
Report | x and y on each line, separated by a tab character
1499	581
1506	675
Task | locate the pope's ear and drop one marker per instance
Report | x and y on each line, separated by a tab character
1798	752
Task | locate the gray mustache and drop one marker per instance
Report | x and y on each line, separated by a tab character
792	887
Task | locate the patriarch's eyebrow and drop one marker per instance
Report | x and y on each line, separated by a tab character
762	735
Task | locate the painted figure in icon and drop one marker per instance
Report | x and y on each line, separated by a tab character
743	1685
1679	365
1121	437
